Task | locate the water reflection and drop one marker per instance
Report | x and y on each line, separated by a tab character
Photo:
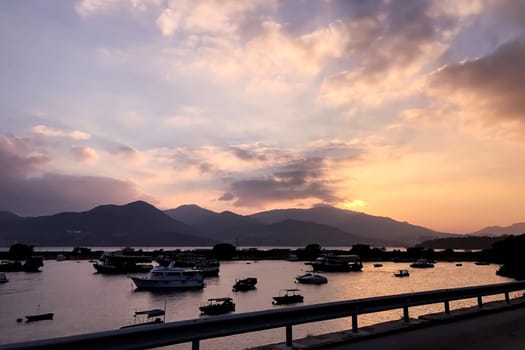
86	302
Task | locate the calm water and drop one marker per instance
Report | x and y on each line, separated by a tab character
87	302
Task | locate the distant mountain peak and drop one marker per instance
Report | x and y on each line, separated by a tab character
514	229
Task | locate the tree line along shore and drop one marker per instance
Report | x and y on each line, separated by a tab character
506	251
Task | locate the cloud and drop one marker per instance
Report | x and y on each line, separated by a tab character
247	154
54	132
301	179
84	154
123	150
217	17
28	188
228	196
490	86
88	8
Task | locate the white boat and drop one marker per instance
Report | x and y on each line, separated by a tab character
311	278
166	277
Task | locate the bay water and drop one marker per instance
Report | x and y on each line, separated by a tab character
84	301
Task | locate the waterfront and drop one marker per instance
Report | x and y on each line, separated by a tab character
86	302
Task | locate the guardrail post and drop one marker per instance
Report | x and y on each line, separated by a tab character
195	344
447	307
480	301
507	298
405	314
288	335
354	323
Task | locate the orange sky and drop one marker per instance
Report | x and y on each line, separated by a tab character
412	110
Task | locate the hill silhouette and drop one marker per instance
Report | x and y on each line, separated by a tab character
137	223
376	228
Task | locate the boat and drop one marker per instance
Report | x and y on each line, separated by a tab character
39	317
218	306
118	262
337	263
170	277
244	284
146	315
3	277
422	264
61	257
10	266
401	273
288	296
311	278
378	265
459	264
33	264
209	268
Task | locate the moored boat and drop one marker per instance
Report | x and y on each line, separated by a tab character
170	277
337	263
39	317
117	262
311	278
146	316
288	296
209	268
422	264
244	284
218	306
33	264
10	266
401	273
3	277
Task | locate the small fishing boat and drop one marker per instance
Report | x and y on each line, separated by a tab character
244	284
288	296
39	317
401	273
146	316
378	265
218	306
311	278
3	277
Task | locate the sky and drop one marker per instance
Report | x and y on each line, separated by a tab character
413	110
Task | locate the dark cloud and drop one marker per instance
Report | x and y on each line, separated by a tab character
247	154
494	82
228	196
297	180
26	189
122	150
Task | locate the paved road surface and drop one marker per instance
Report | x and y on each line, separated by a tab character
499	331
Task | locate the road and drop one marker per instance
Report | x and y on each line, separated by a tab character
498	331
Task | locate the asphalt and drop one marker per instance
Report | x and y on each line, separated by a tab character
496	326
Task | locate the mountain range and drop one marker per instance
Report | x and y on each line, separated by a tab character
141	224
514	229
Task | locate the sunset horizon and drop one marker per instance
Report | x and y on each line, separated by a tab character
409	110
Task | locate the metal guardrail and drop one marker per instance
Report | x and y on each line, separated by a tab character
193	331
